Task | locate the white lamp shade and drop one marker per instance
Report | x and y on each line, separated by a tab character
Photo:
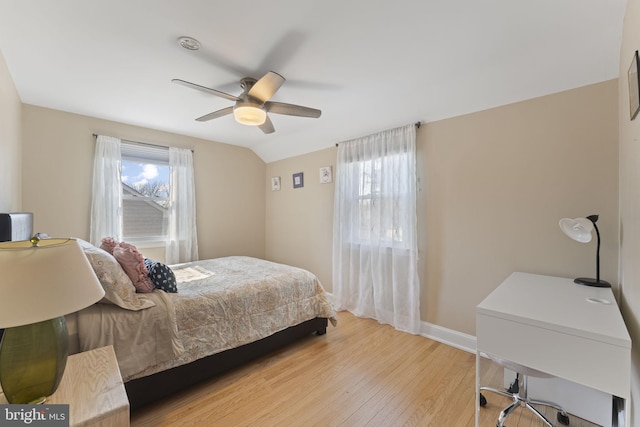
579	229
43	282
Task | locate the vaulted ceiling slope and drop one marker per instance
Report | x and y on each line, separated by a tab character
368	65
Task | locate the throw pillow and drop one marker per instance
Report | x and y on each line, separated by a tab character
108	243
133	264
161	275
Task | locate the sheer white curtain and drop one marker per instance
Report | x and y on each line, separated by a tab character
182	245
106	202
375	240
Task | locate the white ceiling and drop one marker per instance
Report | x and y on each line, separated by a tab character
368	65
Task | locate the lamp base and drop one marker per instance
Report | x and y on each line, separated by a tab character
32	360
592	282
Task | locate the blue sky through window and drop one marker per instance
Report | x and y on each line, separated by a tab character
138	173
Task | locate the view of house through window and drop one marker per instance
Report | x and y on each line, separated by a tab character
145	195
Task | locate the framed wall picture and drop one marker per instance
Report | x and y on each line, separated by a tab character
298	180
326	175
275	183
634	87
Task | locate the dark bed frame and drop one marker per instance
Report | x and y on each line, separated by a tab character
142	391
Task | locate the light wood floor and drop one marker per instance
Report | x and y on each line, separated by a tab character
360	373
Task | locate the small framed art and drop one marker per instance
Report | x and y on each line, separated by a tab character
634	87
298	180
326	175
275	183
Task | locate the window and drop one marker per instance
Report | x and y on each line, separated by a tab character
380	200
165	218
145	193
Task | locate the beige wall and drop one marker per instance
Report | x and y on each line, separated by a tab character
10	150
299	222
58	152
630	201
493	186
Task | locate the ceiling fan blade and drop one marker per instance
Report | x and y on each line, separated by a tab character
292	110
267	126
215	114
264	88
206	89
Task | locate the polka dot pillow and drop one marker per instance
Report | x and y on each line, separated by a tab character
161	276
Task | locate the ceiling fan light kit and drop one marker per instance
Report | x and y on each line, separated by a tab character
249	114
252	105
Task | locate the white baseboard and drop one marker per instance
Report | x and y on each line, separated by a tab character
449	337
446	336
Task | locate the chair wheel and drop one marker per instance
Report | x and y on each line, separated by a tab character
563	418
483	401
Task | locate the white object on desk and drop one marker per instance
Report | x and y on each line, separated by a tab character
556	326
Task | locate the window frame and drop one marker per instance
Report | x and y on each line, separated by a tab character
145	154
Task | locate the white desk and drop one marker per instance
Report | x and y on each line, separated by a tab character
556	326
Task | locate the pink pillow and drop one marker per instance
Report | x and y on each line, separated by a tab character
108	243
132	263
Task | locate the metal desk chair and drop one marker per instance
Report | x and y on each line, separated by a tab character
518	393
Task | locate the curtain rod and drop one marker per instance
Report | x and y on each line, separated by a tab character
95	135
417	124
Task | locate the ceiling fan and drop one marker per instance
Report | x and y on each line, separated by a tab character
252	105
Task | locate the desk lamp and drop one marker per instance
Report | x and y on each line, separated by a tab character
40	282
579	229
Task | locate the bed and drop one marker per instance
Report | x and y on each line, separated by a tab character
226	312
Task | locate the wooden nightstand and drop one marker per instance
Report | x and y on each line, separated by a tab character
93	388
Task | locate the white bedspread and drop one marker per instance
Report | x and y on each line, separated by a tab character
140	338
221	303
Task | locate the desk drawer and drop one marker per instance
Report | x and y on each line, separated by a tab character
584	361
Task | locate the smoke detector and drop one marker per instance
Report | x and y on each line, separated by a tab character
189	43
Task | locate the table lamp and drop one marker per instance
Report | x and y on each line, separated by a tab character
579	229
40	282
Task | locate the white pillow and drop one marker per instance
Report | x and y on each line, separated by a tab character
118	288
